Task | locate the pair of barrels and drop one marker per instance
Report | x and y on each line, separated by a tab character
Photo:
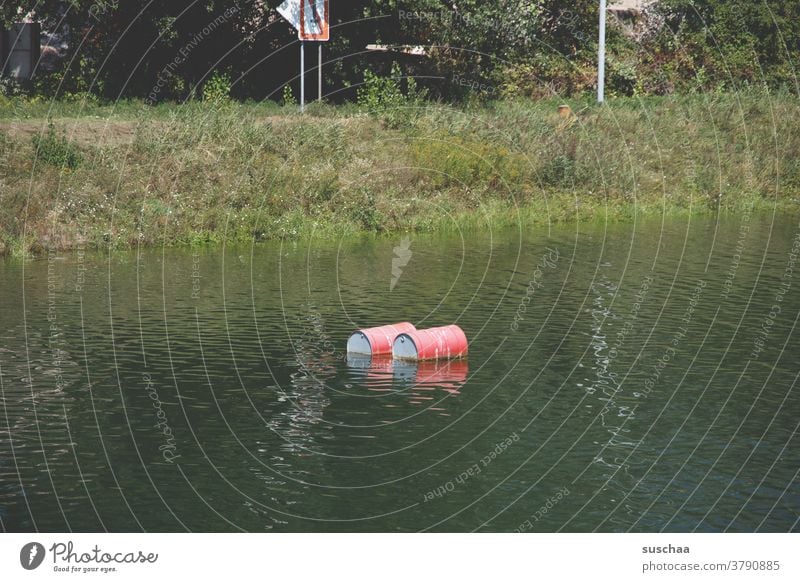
406	342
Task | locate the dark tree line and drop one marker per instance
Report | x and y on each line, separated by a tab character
170	48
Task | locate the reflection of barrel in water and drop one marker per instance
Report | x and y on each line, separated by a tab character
430	377
420	381
449	375
373	372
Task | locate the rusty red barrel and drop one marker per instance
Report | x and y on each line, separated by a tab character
377	340
436	343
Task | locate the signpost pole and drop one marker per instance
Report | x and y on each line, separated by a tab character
302	76
316	27
601	54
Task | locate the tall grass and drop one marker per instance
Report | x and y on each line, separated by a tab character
129	174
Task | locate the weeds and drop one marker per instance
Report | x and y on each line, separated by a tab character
385	96
55	149
197	173
217	89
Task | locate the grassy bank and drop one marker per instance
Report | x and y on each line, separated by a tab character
85	173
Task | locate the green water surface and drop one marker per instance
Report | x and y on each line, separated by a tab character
619	378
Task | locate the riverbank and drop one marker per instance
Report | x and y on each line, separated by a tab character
92	175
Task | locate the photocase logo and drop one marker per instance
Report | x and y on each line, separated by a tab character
31	555
402	254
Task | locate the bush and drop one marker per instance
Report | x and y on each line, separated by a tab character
385	95
363	211
558	171
381	92
287	97
55	149
11	87
453	161
217	89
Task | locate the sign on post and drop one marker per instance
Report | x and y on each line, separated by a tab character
311	19
314	23
290	10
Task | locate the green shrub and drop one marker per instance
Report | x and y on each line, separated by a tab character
55	149
557	171
287	97
363	211
385	95
217	89
463	163
380	92
11	87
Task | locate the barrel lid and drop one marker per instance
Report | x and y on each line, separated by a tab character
358	343
404	347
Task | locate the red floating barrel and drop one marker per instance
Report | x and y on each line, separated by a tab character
377	340
436	343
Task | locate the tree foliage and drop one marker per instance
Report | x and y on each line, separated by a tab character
733	41
169	49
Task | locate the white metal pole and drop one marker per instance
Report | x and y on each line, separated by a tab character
319	73
601	55
302	76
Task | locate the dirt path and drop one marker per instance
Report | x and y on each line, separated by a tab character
105	132
83	131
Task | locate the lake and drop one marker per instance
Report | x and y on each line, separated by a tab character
620	377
